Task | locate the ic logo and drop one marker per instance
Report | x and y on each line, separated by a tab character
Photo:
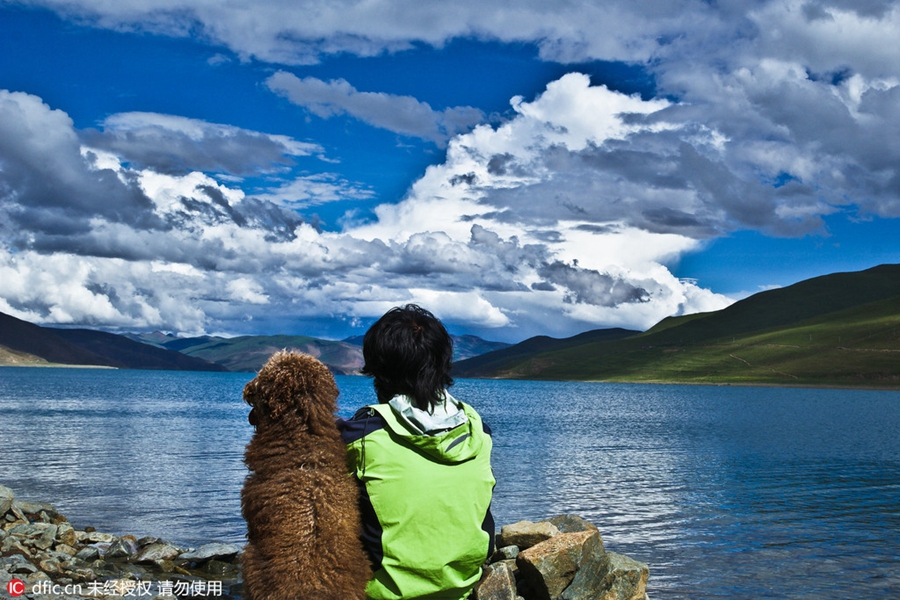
15	587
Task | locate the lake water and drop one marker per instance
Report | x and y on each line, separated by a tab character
726	492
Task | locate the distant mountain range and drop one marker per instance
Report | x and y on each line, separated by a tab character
23	343
841	329
838	330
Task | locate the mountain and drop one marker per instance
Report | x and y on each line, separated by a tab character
839	329
249	353
24	337
464	346
27	343
492	364
129	354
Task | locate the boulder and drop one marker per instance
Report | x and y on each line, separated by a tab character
571	524
155	552
36	508
95	537
526	534
550	566
6	499
12	544
123	547
497	583
504	553
15	514
48	537
88	554
65	534
591	581
27	531
627	579
207	551
66	549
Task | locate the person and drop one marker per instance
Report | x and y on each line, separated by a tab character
422	460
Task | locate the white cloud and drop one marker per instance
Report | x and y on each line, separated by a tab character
563	218
401	114
246	290
298	32
171	143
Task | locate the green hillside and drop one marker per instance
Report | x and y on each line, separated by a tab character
249	353
25	343
836	330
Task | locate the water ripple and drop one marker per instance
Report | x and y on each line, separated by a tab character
724	492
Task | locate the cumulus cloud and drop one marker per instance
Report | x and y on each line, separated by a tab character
196	254
288	32
770	116
173	144
401	114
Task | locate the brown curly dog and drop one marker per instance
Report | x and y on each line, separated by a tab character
299	501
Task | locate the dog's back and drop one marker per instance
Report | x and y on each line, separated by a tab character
299	501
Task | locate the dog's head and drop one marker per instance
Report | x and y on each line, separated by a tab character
292	385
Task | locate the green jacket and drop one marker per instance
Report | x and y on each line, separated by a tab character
425	501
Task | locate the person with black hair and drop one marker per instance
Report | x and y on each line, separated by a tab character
423	463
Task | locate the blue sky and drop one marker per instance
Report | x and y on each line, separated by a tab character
519	168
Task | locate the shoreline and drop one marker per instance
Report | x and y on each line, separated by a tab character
43	557
822	386
61	366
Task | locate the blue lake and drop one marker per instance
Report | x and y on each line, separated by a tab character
726	492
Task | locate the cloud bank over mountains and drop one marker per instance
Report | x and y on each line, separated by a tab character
562	217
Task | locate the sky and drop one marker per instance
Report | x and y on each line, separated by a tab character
519	168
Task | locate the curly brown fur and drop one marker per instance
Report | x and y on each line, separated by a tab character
299	501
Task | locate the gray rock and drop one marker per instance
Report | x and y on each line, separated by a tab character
12	543
571	523
6	499
218	568
146	541
16	514
497	583
97	537
48	537
51	566
35	508
526	534
549	567
65	534
591	581
88	554
155	552
7	562
628	578
37	576
214	550
504	553
28	530
23	567
123	547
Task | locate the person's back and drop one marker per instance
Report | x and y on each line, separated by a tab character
423	463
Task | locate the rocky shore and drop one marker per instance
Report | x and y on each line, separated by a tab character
42	556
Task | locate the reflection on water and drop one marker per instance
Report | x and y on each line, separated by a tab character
724	492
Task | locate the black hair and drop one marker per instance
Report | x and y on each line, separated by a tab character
408	351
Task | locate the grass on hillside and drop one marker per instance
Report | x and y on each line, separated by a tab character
857	347
249	353
13	358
